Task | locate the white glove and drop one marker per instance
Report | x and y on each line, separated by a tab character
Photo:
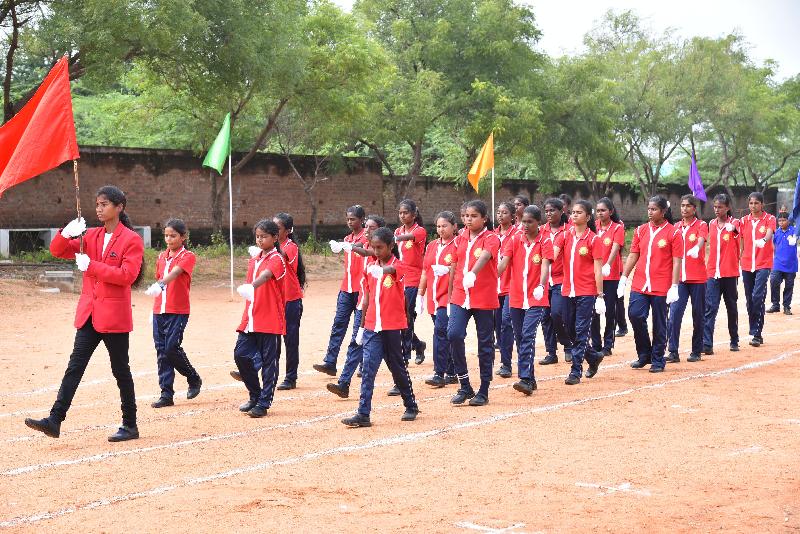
600	306
419	306
606	270
375	271
360	336
729	227
254	251
74	228
336	247
761	242
792	240
347	247
82	261
672	294
469	280
154	290
623	281
246	291
440	270
538	292
694	251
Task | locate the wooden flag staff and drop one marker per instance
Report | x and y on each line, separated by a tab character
77	194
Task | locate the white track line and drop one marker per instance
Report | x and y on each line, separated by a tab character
384	442
608	490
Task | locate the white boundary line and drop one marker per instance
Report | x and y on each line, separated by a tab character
383	442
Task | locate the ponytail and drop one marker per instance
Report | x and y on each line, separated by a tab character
663	204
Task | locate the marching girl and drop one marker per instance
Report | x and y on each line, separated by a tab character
171	312
347	301
294	282
112	263
527	257
380	332
258	346
611	234
474	276
757	229
694	234
722	272
411	238
655	284
355	356
553	321
583	256
434	294
520	203
503	331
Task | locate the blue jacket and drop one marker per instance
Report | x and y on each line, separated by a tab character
785	254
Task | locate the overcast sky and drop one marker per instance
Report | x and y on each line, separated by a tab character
770	26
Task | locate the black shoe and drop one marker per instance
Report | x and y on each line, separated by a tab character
774	309
124	433
621	333
572	380
420	353
394	392
568	355
638	364
606	352
450	379
247	406
756	342
525	386
194	391
787	311
694	357
479	400
462	396
550	359
734	348
326	368
436	381
339	390
594	367
504	372
672	357
163	402
286	384
410	414
45	426
236	375
656	369
708	350
257	411
357	420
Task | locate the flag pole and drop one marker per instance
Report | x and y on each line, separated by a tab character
230	213
77	195
493	210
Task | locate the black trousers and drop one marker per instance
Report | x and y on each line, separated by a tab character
86	341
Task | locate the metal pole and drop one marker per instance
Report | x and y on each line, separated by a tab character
493	210
230	213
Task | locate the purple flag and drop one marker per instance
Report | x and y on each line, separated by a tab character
695	182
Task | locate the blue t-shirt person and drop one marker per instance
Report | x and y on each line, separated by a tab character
785	241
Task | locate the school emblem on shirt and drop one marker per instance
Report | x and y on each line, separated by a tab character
726	237
583	251
692	238
478	252
607	241
763	229
387	282
537	259
662	243
448	259
409	244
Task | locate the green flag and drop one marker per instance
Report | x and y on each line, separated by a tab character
221	148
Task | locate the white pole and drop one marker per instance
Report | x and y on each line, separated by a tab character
493	210
230	213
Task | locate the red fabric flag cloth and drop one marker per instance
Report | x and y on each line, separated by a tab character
42	135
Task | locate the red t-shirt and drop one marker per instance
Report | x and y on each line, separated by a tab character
438	253
483	295
265	314
387	299
613	233
754	258
557	268
412	253
525	268
657	246
503	284
291	290
579	254
175	297
723	249
353	264
693	270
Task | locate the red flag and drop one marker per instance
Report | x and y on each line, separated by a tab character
42	135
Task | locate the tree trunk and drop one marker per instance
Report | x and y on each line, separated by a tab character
312	201
8	106
216	205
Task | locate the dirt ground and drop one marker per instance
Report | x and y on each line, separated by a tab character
706	446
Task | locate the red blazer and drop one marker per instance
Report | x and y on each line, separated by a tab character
106	294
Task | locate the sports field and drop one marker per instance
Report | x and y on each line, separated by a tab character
706	446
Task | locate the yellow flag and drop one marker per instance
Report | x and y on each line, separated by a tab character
483	163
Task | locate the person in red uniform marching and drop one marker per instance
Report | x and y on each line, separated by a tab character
411	238
611	233
112	262
258	346
503	331
520	203
294	282
757	229
553	326
174	269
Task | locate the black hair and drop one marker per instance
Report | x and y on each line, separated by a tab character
566	199
534	211
783	215
268	227
610	205
756	195
558	204
723	198
380	221
480	207
663	204
287	221
358	211
116	196
411	206
587	206
448	216
693	200
511	209
387	236
523	200
464	206
179	226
